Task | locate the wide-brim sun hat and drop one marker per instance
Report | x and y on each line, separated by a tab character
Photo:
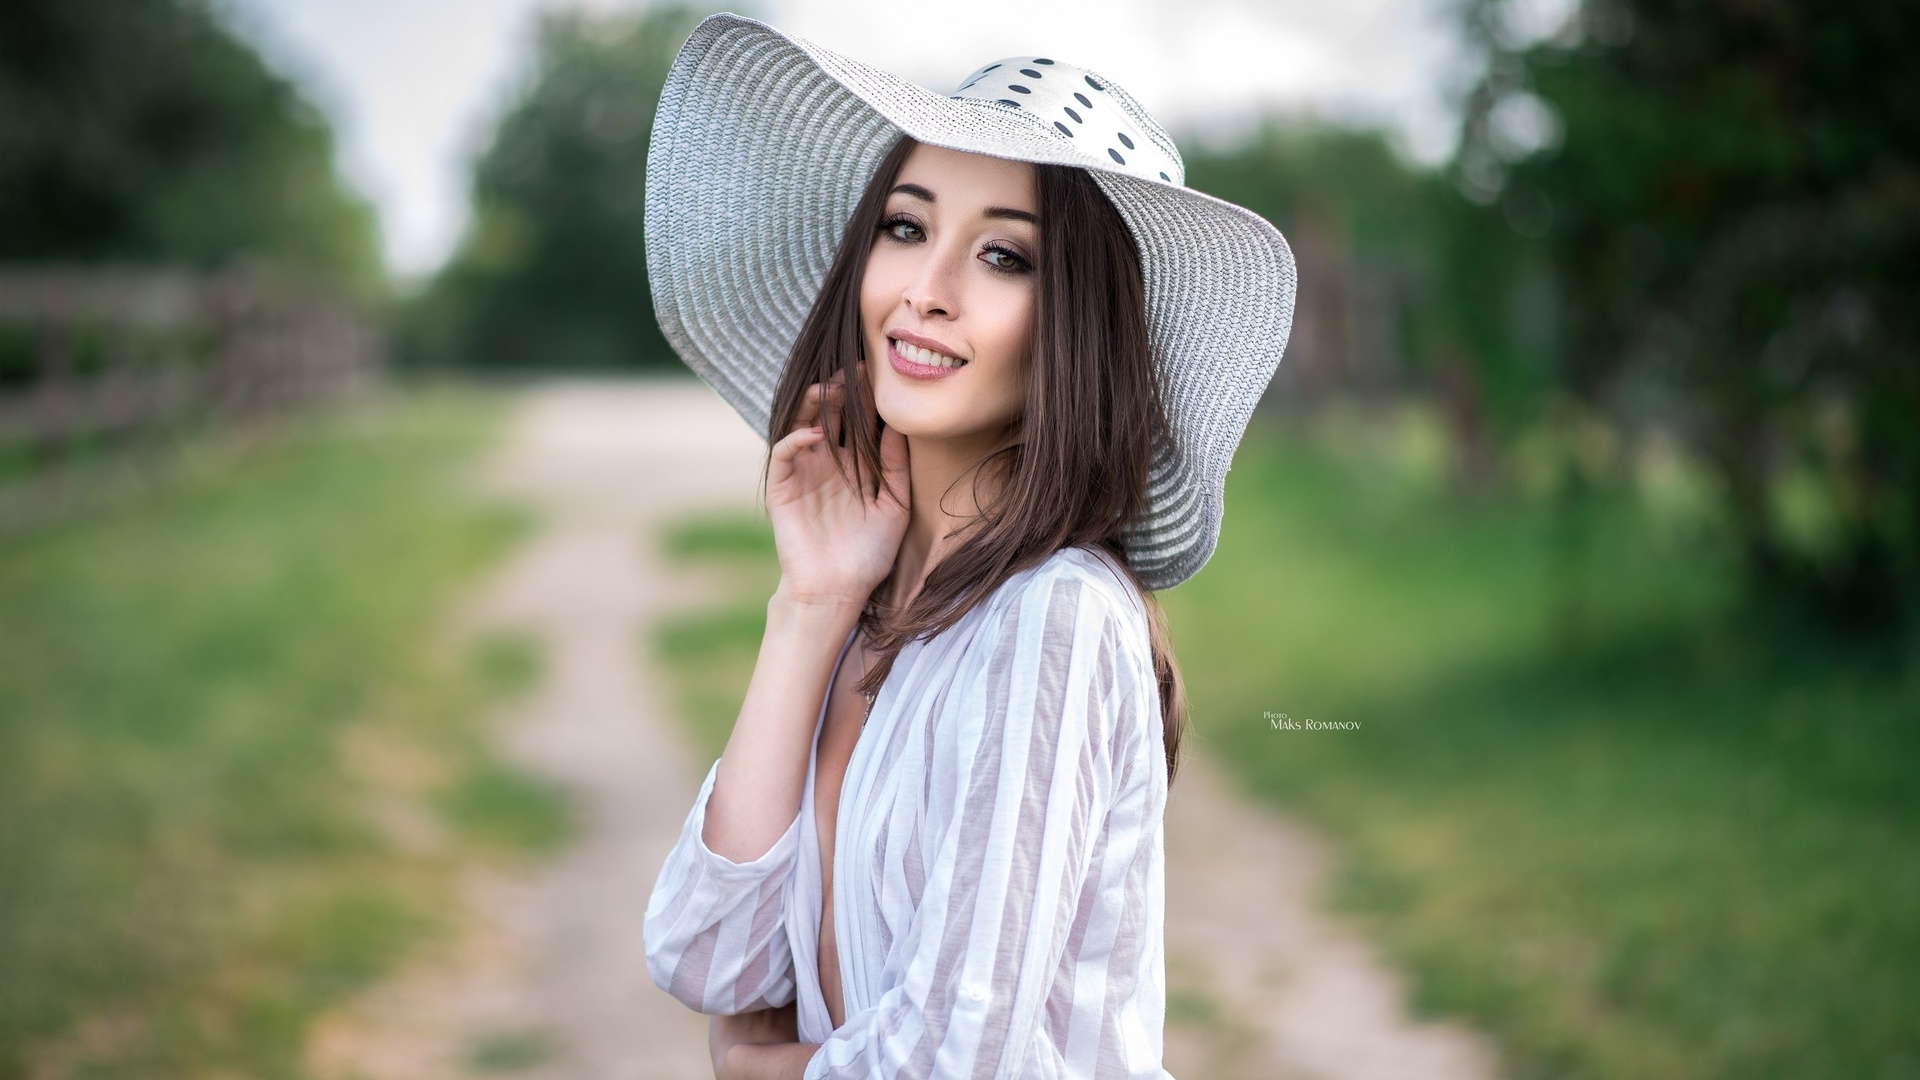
763	143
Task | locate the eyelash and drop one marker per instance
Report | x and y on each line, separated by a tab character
1021	265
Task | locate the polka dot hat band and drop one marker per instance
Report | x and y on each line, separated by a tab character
763	143
1080	107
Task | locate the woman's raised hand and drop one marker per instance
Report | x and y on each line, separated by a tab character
835	543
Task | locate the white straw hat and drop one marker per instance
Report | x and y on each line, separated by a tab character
764	142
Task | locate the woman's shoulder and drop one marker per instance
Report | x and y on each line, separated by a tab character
1072	616
1084	574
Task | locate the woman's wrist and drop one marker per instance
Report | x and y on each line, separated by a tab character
768	1061
814	607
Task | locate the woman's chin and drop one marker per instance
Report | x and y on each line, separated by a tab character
921	424
914	420
918	430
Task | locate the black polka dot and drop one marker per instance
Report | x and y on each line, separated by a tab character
1068	109
1093	84
1041	60
988	68
1064	129
1083	100
1165	177
1005	101
1124	141
1018	89
1115	155
1030	73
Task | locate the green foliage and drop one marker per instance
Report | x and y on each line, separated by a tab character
143	131
552	272
1693	218
1350	182
205	694
1457	274
1679	843
1730	205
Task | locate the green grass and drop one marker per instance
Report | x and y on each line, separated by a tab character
189	868
510	1052
491	802
1596	804
711	651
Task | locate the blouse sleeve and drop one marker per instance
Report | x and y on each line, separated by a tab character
1023	780
715	929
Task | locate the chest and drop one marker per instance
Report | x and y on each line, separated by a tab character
839	733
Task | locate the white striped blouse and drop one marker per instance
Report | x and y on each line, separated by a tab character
1000	870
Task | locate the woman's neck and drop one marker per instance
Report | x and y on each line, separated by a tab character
945	502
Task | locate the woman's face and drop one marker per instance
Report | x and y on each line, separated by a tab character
950	278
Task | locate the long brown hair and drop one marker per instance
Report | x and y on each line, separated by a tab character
1078	474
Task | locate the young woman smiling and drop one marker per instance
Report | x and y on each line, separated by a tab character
1001	379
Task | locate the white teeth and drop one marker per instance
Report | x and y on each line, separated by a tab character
926	356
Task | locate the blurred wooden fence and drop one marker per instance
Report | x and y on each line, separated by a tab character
100	371
1347	319
1348	343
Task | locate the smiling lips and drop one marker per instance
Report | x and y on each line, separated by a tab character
917	362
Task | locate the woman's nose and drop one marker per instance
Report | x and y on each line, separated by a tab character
933	290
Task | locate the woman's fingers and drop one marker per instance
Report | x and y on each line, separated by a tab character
808	414
833	400
797	439
781	465
893	465
820	399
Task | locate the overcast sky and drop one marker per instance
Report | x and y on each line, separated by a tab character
412	86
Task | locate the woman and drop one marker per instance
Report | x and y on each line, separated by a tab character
1002	359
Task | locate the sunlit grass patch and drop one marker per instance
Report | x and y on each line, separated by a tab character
508	663
710	651
1186	1005
745	535
491	802
509	808
510	1052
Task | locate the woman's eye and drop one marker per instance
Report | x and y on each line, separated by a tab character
903	230
1002	259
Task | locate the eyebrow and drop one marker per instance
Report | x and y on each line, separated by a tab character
1007	212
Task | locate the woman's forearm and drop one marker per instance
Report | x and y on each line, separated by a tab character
756	791
770	1061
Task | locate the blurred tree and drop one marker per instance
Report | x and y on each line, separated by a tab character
1728	195
144	131
1356	211
1290	171
552	271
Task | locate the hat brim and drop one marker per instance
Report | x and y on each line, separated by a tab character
761	147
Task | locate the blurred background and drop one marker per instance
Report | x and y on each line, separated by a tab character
1589	488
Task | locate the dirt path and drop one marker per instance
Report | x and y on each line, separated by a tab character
1293	994
548	976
